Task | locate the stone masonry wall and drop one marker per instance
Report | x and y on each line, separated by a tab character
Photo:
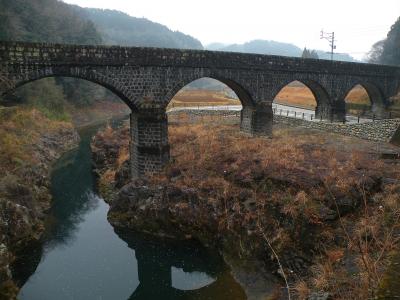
48	53
149	142
380	130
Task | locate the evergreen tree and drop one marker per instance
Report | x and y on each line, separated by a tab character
387	51
374	56
306	53
309	54
391	46
314	54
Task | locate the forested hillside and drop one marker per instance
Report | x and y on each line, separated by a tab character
49	21
57	22
45	21
262	47
387	51
274	48
118	28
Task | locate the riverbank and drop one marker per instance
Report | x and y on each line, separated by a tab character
30	143
319	209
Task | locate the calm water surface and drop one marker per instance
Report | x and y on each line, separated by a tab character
84	257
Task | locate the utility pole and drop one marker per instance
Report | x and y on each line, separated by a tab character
330	37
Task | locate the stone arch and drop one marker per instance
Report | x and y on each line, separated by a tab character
325	108
375	95
255	117
242	93
321	96
374	92
87	75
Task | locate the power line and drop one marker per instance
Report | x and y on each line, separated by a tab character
330	37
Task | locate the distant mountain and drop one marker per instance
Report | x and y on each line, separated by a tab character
273	48
118	28
336	56
262	47
215	46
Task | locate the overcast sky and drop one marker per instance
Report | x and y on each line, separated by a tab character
358	24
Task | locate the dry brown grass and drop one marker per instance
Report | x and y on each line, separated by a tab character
358	95
294	94
301	290
201	98
300	95
217	161
19	130
281	189
112	148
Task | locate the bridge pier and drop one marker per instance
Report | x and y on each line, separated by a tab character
149	147
257	120
333	113
379	110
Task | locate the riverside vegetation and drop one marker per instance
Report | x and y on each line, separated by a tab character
319	210
30	143
31	140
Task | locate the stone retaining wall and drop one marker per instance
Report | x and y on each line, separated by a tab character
208	116
380	130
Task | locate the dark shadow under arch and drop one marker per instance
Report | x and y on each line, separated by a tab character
395	139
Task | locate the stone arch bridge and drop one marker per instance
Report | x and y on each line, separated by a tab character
146	79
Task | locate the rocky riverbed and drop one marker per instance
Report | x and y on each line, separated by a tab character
318	210
30	143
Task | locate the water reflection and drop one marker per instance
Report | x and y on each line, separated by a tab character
196	280
72	185
82	257
157	258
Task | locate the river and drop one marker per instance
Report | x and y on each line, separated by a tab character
83	257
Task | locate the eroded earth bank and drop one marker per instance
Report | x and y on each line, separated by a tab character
318	210
30	143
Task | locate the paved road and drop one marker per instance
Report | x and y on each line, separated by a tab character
279	109
297	112
213	107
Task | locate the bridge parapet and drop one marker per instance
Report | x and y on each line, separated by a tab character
42	54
